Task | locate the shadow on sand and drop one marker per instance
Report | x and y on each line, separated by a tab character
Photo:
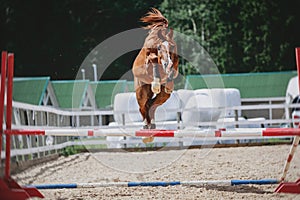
238	189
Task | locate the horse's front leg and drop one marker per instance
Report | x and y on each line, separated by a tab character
169	86
155	102
155	84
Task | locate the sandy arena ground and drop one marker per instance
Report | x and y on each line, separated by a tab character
176	165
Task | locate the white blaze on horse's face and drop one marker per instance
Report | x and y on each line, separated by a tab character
166	61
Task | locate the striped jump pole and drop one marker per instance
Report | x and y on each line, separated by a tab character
156	184
229	133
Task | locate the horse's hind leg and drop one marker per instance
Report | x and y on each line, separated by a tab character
169	86
144	95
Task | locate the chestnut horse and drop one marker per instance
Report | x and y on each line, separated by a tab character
155	67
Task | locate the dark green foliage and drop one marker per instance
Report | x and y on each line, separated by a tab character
241	36
52	37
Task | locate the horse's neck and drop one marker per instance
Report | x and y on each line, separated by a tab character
153	34
152	40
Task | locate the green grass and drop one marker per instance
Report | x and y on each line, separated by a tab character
75	149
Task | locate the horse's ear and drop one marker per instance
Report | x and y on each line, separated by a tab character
170	34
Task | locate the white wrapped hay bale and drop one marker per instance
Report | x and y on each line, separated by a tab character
232	98
168	110
292	89
201	107
184	96
223	98
217	95
126	103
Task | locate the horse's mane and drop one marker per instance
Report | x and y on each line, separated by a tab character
154	18
157	24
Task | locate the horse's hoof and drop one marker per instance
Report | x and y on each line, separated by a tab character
148	140
155	87
169	87
145	127
152	126
168	91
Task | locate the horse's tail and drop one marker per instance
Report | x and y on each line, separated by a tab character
154	18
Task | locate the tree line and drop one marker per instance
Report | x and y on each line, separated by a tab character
51	38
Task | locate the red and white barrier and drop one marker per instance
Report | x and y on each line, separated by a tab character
9	188
229	133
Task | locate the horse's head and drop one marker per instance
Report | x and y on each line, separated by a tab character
164	57
165	49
